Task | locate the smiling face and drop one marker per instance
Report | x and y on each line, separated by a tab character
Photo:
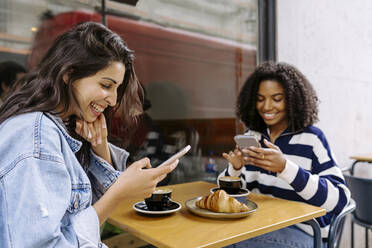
271	105
97	92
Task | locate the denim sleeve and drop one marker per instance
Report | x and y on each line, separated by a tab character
101	174
35	201
85	226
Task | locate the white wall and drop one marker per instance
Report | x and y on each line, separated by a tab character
330	41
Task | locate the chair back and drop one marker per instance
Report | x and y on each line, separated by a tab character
361	192
337	225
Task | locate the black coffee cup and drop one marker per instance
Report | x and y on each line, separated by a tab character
159	200
230	184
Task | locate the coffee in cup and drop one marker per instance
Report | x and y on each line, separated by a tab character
159	200
230	184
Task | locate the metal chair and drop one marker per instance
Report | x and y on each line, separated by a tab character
361	190
337	225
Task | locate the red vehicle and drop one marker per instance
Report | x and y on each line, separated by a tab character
191	79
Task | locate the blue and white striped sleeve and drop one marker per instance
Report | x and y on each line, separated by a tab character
323	185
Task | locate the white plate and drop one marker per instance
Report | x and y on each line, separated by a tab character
191	206
142	208
243	192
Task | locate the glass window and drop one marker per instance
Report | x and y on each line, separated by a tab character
192	57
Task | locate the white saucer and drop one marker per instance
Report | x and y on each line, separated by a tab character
142	208
243	192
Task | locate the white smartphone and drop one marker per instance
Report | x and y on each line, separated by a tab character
176	156
245	141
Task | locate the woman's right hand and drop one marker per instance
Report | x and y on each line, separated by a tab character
134	182
138	182
236	158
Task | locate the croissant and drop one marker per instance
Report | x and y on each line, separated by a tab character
221	202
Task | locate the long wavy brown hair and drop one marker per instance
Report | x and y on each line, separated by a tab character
80	52
300	97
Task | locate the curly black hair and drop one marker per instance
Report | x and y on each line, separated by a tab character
300	97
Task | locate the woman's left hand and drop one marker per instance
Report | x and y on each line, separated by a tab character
96	134
270	159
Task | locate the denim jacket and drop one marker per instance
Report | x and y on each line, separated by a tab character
46	196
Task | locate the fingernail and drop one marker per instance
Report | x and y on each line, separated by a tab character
99	141
103	126
89	135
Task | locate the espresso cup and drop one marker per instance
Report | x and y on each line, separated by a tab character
159	200
230	184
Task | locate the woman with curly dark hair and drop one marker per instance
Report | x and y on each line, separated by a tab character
278	105
60	177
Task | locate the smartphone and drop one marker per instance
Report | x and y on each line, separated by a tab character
245	141
176	156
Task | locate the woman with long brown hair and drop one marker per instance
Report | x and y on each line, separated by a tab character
60	178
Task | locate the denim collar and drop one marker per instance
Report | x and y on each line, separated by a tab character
74	144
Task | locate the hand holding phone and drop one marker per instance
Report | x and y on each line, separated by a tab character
245	141
176	156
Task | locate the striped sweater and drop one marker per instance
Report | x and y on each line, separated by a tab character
310	175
